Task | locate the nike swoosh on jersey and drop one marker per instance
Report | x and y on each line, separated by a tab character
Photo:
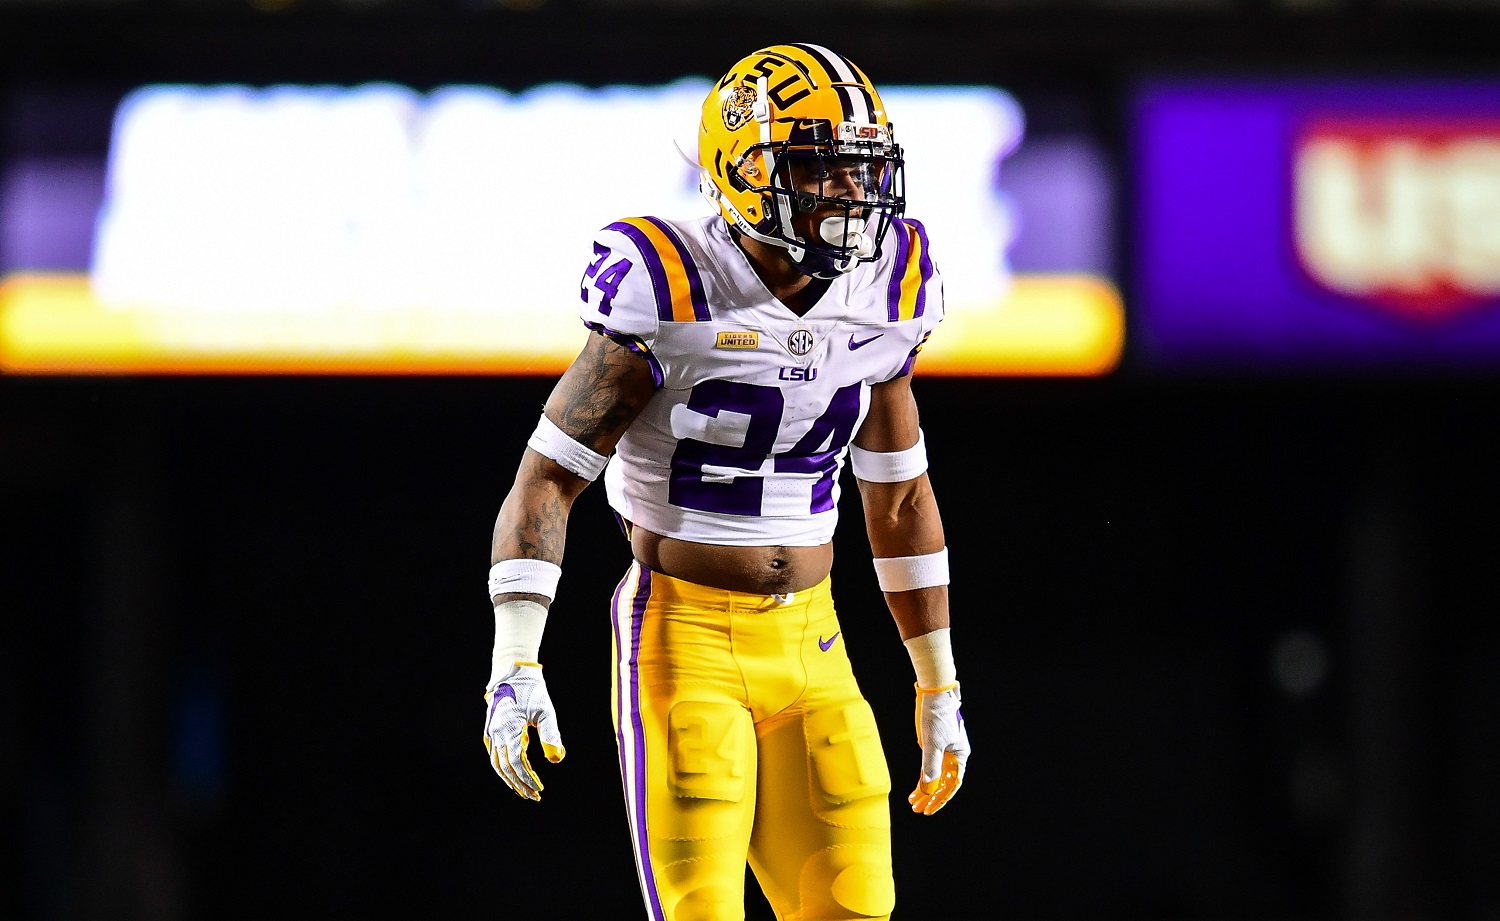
827	644
863	342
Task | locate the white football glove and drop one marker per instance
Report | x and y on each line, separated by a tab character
945	747
518	701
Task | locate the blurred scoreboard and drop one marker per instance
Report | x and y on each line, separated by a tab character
1317	224
376	229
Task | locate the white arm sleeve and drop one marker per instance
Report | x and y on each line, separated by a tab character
579	459
890	466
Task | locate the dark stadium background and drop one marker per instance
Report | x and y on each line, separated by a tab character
242	635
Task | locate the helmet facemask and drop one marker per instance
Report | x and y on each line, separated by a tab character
848	179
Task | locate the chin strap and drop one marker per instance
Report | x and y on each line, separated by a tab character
807	262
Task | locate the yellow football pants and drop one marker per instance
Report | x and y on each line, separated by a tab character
743	736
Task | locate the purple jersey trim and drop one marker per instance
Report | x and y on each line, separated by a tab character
695	281
636	345
911	359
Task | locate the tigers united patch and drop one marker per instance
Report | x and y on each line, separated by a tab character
738	106
746	339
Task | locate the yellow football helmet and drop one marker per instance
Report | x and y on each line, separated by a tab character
798	129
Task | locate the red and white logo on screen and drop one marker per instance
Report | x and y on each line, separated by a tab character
1403	214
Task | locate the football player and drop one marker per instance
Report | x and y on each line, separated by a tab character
740	360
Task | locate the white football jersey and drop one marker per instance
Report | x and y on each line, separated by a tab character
746	436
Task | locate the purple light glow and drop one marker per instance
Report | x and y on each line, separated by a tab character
1219	279
48	206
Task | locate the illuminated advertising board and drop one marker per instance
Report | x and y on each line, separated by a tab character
377	229
1317	224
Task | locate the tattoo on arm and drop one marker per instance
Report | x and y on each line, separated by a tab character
541	534
595	401
601	393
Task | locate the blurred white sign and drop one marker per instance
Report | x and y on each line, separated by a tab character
376	198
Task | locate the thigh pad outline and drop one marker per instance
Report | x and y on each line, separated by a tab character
862	887
711	748
846	753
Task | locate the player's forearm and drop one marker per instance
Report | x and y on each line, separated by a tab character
903	523
919	611
902	519
531	525
533	520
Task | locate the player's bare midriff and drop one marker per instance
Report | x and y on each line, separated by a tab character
759	570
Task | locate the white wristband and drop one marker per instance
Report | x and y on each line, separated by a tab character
524	577
550	441
932	659
904	573
890	466
518	637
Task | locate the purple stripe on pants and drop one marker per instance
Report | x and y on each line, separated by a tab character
614	620
637	615
629	688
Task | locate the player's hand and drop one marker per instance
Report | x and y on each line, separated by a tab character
945	748
518	701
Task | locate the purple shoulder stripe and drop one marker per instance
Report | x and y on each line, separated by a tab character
695	281
659	286
898	272
925	263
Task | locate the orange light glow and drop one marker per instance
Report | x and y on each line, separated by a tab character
51	324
